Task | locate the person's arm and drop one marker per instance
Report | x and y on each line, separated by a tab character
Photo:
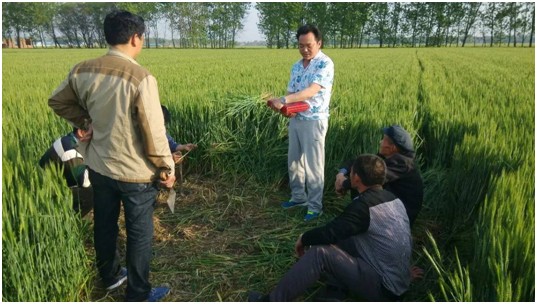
46	158
174	146
148	113
303	95
65	103
354	220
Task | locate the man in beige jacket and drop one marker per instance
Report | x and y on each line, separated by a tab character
126	150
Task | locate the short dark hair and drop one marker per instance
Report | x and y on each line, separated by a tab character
309	28
166	113
370	168
119	26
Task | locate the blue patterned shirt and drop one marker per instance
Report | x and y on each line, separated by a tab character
320	71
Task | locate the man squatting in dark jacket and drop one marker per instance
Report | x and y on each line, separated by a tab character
366	249
402	177
63	152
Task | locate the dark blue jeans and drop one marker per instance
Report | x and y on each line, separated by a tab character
139	201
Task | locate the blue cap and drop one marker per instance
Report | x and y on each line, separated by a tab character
400	137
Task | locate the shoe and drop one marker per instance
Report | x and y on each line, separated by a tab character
291	204
120	279
256	296
158	293
312	215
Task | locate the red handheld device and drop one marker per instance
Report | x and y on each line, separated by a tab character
294	107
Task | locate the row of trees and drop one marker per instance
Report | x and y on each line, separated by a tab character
190	24
344	24
348	25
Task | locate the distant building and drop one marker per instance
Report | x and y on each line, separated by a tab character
10	43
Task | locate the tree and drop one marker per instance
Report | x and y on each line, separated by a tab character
270	21
17	15
67	20
502	20
532	27
455	13
471	12
415	14
395	21
489	18
317	13
238	13
380	21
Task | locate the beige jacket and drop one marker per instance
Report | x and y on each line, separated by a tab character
121	98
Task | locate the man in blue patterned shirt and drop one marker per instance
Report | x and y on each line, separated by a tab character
311	81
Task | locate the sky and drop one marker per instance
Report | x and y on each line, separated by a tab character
250	32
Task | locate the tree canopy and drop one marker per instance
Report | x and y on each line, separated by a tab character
343	24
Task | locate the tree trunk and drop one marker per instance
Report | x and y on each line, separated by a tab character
42	38
361	36
532	26
523	31
18	35
492	34
77	40
514	37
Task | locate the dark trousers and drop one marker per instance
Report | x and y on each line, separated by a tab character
138	204
350	273
82	200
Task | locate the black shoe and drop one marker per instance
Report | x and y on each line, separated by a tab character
331	293
256	296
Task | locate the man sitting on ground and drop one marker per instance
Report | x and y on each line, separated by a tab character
365	250
402	177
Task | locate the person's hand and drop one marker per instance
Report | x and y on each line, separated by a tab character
276	104
87	134
416	273
177	157
169	182
299	248
340	178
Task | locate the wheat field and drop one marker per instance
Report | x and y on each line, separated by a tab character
470	112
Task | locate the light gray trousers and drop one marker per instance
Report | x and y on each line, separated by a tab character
305	161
